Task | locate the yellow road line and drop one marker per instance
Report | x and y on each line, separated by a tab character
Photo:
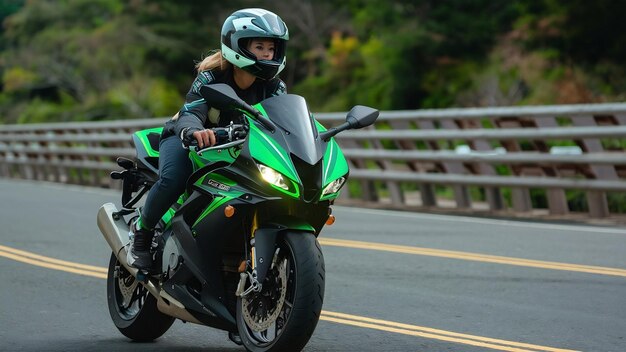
48	264
340	318
474	257
431	333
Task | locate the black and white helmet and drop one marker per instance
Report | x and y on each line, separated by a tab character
246	24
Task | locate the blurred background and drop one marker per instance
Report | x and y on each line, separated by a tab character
89	60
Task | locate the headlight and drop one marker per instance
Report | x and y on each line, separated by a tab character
272	176
334	186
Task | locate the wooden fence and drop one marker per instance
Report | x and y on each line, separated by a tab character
514	159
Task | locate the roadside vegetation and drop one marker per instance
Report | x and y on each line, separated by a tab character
79	60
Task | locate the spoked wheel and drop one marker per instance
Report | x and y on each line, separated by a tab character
283	316
132	308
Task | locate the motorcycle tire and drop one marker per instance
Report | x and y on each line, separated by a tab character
303	299
133	309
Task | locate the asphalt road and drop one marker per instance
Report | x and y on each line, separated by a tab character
431	283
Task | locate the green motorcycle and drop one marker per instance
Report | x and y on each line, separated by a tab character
239	251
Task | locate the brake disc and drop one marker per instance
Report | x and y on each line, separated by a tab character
261	322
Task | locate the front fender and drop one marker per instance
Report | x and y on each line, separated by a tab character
265	240
288	222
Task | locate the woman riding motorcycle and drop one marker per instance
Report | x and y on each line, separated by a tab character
253	44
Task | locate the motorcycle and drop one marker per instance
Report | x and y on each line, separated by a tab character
239	250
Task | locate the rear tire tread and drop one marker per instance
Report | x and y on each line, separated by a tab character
149	324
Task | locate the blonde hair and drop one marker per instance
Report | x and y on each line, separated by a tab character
212	62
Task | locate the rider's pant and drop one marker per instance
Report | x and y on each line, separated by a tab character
174	170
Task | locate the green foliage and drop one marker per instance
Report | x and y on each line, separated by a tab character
104	59
617	202
590	32
414	53
18	79
41	111
80	58
9	7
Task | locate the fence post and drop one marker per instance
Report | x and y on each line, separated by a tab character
521	200
395	191
6	155
597	202
368	189
427	191
493	194
461	193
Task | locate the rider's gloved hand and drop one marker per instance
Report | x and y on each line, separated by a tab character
204	138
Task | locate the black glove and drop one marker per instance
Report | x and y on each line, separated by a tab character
221	136
186	135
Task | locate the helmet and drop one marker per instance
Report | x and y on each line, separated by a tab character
246	24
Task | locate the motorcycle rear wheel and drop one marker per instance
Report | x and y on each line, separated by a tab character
133	309
300	305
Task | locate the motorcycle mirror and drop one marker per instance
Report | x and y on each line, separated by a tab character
361	116
358	117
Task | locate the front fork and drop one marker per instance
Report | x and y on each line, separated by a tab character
263	253
251	276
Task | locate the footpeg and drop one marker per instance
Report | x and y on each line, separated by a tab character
142	276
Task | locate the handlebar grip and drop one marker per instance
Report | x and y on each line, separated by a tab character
221	135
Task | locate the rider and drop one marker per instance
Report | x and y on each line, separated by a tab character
253	46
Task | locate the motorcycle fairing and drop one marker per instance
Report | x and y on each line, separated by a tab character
147	146
334	167
270	152
299	133
295	149
216	203
335	164
199	263
210	157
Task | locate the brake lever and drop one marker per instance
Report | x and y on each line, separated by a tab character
199	151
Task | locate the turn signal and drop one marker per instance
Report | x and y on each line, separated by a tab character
330	220
229	211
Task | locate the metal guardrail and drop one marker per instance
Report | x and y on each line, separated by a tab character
517	159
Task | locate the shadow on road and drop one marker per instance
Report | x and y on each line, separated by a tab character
121	344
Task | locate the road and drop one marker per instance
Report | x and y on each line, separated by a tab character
395	282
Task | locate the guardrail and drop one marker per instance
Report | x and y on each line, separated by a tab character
515	159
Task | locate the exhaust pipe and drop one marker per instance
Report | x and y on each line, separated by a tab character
166	304
115	232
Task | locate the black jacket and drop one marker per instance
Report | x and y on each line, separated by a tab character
195	112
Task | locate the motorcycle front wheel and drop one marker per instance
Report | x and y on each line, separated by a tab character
283	316
133	309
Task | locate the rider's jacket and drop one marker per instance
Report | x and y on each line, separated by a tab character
197	114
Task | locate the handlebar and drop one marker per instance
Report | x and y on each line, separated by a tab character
226	137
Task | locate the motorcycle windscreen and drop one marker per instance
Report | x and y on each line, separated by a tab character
291	114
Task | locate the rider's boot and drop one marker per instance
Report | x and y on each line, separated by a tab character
139	255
